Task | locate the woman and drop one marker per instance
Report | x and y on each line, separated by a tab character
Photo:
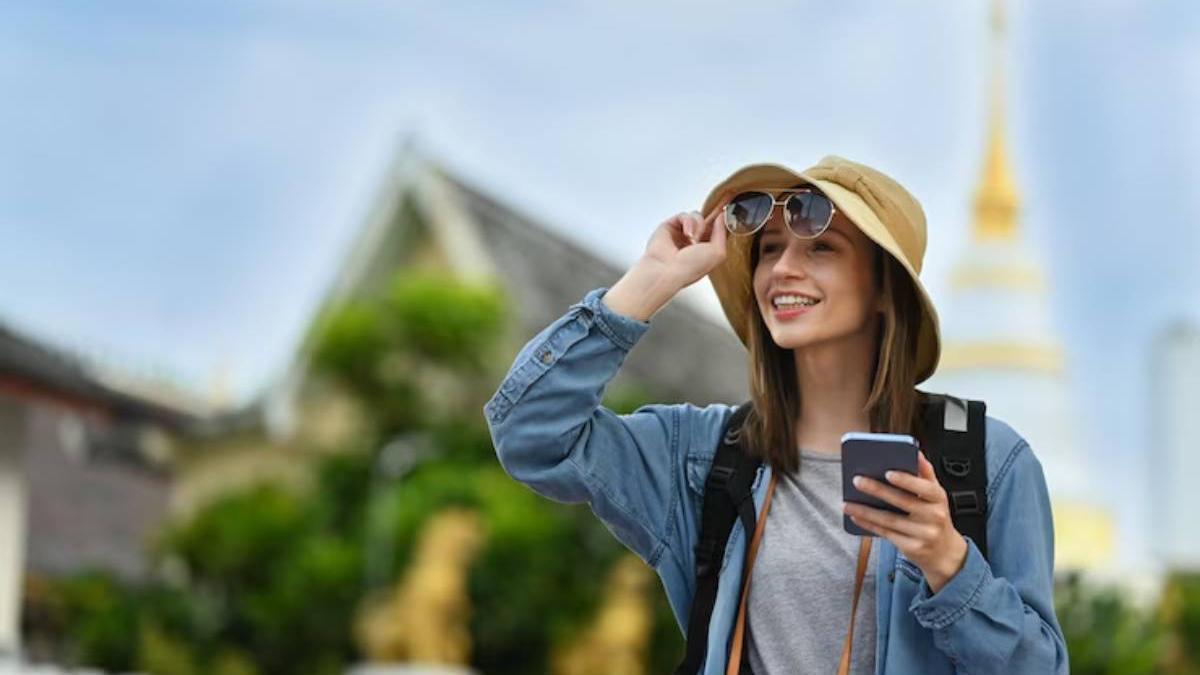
817	273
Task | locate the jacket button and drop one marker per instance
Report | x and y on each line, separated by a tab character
892	576
547	357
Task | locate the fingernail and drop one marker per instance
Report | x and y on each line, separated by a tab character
890	475
858	481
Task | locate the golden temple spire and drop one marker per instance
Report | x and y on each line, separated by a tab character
996	198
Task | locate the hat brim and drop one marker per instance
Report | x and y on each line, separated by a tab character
732	279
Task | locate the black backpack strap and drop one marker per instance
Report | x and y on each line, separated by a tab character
727	497
955	442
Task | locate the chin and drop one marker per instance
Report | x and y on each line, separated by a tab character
794	338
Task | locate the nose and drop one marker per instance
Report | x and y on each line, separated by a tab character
791	262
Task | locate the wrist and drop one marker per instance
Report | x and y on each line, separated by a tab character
948	565
641	292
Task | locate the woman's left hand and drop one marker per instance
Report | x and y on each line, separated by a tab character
926	535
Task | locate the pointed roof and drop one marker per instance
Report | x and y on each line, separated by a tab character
686	355
426	209
32	366
996	199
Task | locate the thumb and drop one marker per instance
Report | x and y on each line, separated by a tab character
925	467
717	235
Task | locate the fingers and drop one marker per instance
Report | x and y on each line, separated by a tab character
925	467
898	498
893	522
712	226
924	486
697	228
718	229
901	540
693	227
688	224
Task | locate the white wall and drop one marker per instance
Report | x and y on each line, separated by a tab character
12	524
1175	426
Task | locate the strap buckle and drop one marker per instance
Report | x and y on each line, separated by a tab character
733	436
966	502
958	467
720	475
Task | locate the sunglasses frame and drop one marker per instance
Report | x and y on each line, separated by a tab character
775	201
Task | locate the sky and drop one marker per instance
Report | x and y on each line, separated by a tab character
180	181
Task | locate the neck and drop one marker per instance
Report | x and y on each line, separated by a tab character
835	382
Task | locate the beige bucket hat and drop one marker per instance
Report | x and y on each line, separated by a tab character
873	201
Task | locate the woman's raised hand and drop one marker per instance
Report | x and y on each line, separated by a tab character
681	250
687	246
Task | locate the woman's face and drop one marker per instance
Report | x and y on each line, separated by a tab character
836	270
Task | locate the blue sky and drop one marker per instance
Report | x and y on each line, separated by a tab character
178	181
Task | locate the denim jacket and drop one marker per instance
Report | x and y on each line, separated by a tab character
643	475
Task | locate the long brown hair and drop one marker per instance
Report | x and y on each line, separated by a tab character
769	429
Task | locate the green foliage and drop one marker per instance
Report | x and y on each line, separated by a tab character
626	399
350	341
110	625
1181	613
102	636
666	640
1105	634
378	349
452	324
259	563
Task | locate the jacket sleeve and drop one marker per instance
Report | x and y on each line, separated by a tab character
551	433
997	614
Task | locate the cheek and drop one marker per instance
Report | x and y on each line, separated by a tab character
849	283
759	282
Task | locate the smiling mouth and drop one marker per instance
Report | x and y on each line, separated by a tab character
793	302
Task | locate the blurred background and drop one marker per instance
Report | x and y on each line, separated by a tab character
264	263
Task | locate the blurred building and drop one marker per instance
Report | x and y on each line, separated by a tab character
84	473
427	218
1174	462
1001	346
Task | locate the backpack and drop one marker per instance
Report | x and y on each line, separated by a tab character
952	437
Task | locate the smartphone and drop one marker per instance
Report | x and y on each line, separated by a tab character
873	455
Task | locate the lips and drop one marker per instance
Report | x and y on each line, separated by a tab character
792	298
791	312
792	304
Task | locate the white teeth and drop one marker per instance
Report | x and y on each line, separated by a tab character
793	300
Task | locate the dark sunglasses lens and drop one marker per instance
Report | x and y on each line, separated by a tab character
747	211
808	213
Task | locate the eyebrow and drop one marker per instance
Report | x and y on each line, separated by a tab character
779	233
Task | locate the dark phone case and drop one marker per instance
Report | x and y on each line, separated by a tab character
872	458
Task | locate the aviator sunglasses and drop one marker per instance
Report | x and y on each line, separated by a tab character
806	211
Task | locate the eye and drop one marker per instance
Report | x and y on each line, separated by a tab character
769	248
822	246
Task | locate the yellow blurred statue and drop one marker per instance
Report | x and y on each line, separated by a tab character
425	617
616	641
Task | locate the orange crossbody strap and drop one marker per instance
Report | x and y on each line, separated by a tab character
864	553
735	651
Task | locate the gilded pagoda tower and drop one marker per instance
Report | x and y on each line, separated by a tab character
1000	344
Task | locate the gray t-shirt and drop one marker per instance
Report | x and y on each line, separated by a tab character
803	581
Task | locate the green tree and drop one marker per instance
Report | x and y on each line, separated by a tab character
1106	635
1180	613
269	580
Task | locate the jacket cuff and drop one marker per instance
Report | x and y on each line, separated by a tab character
956	596
623	330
